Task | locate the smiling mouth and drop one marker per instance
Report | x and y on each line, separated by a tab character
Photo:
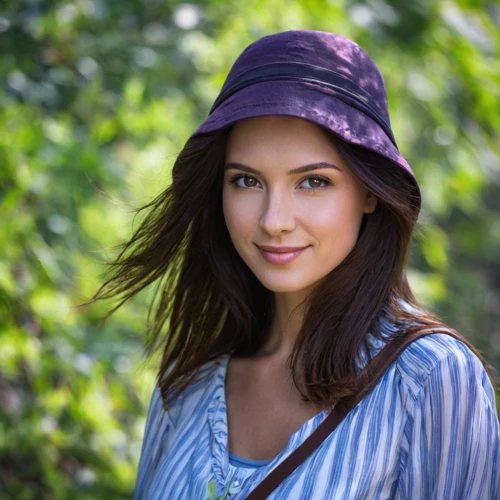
281	255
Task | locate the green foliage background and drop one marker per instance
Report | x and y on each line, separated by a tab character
97	97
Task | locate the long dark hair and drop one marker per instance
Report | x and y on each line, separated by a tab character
208	302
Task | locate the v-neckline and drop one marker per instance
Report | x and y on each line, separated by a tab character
314	420
224	472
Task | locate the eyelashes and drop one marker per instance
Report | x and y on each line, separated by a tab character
254	183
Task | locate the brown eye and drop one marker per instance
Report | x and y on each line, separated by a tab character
244	181
315	183
249	182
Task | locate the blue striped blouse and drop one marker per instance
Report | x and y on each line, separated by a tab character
429	430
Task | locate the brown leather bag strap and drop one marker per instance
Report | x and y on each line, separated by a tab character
368	378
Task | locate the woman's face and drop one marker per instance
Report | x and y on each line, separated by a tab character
292	207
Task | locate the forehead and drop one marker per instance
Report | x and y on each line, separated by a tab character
269	138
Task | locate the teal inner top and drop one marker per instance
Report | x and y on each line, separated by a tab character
237	461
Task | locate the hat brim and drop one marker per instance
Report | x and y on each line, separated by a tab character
307	101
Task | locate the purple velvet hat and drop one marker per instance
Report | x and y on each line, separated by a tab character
319	76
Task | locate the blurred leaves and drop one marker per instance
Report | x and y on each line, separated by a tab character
98	97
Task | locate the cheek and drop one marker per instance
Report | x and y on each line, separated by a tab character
338	220
238	216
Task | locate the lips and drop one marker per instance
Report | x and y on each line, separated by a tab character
280	255
268	248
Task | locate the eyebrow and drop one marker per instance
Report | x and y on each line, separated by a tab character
299	170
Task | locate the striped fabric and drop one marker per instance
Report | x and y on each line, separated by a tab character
429	430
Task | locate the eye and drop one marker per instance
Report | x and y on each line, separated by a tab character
313	183
244	181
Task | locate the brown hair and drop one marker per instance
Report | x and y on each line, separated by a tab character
208	302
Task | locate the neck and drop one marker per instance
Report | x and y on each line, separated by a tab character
286	323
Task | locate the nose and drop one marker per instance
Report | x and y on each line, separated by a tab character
278	214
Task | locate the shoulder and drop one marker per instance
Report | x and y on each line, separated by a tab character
201	391
450	445
441	359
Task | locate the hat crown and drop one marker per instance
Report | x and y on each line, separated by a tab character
318	48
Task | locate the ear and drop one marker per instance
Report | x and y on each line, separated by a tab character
370	203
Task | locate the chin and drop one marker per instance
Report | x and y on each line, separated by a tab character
285	285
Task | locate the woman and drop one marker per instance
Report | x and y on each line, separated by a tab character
280	250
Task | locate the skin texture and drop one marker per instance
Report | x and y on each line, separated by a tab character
274	208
